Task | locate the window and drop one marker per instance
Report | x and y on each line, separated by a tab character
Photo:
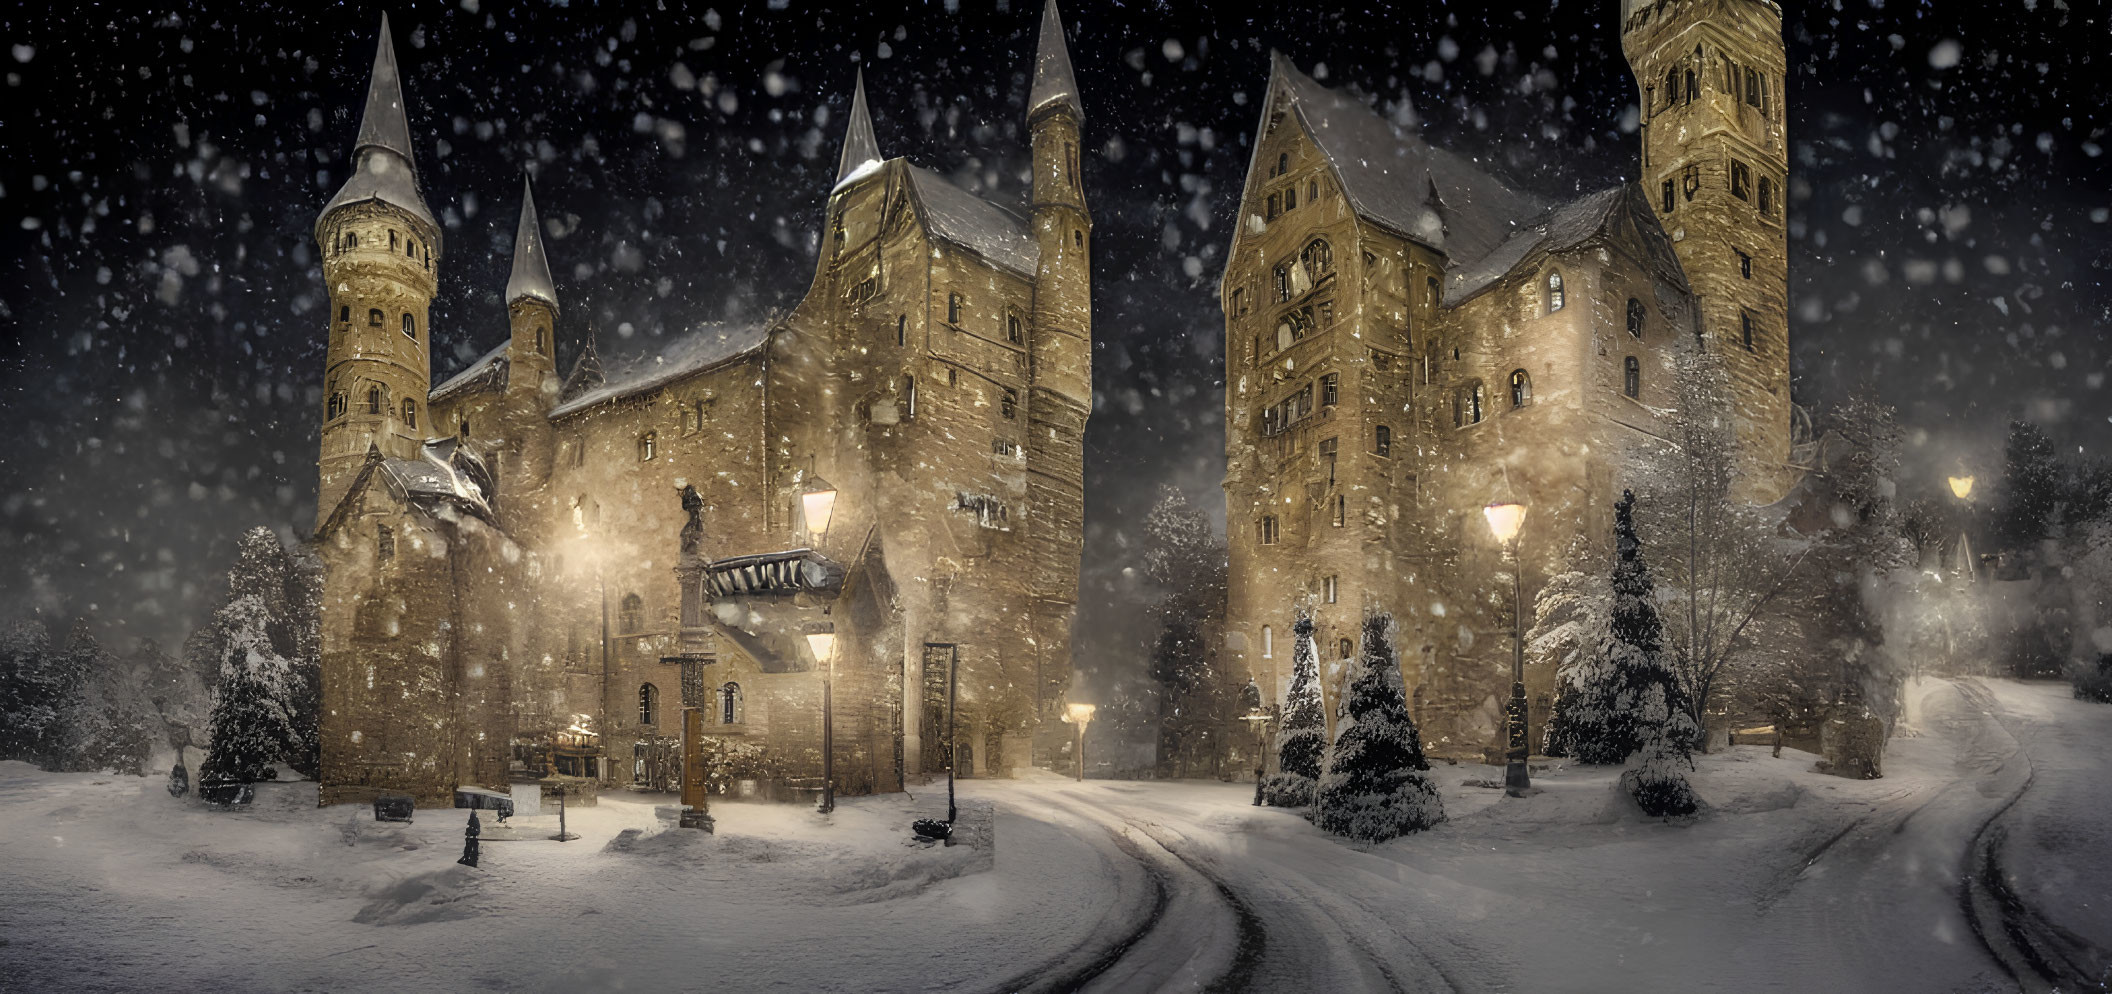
1752	88
384	542
953	308
1003	447
1554	292
1268	529
465	428
1330	389
1015	330
1239	302
1667	193
730	704
1268	642
335	407
1078	239
1283	163
351	240
901	329
542	340
374	317
1283	282
373	400
410	413
1275	205
1635	317
1466	405
392	241
1690	180
410	249
1745	264
1382	441
909	396
1632	378
1741	180
344	313
1521	388
1290	198
630	617
1330	589
1767	196
579	512
1345	647
953	376
410	326
1430	291
1312	191
1341	509
1693	86
1671	86
1070	157
1745	323
1010	403
648	703
1319	259
1327	457
648	446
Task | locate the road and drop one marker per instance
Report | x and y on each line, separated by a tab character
1957	872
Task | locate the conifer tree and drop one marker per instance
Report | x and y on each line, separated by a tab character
250	721
1302	744
1649	714
33	686
1373	789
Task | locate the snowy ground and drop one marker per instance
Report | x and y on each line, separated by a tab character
1982	861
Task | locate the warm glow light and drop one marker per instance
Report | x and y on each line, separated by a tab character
1505	520
823	645
819	504
1079	714
1962	487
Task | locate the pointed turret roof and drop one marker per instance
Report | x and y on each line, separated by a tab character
531	268
383	167
859	145
1053	82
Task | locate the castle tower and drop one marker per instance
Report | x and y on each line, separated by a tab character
1061	347
531	351
1710	74
380	248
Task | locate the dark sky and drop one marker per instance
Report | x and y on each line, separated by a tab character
162	306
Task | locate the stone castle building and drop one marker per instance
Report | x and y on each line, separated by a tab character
1410	337
529	567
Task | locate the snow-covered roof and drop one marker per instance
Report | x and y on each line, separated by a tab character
490	368
861	150
383	167
1560	228
701	348
531	268
446	473
1054	83
967	220
1393	177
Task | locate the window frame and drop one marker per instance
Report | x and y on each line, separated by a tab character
1382	441
1638	315
1521	383
1632	378
648	704
1557	296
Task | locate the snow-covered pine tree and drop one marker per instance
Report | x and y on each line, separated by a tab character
1603	722
1656	781
101	725
2029	495
1572	627
1649	713
1373	788
1198	697
33	687
1302	744
251	719
273	599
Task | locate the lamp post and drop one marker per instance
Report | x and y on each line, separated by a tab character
1962	488
817	503
1079	715
1504	521
1258	717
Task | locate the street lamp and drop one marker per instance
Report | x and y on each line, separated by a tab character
822	643
1079	715
817	501
1256	715
1504	521
1962	488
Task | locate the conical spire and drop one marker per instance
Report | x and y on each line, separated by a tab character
586	372
859	145
384	124
382	165
531	268
1053	82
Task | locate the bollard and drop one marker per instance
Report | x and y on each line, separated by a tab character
469	841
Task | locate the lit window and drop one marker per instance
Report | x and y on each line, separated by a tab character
730	704
1268	642
630	617
1554	292
1466	405
1632	378
1330	389
1521	388
1330	589
410	413
410	326
648	703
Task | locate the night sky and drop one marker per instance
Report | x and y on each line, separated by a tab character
163	310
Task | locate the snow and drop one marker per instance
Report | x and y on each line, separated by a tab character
1788	880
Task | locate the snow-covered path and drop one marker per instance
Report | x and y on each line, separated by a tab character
1980	863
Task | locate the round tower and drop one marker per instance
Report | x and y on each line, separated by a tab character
381	252
1063	313
531	357
1710	78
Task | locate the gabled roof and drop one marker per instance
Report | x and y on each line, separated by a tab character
586	371
1054	83
531	268
693	352
489	370
1394	178
861	150
444	480
967	220
383	167
1564	227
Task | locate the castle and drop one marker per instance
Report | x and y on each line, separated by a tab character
1409	338
865	507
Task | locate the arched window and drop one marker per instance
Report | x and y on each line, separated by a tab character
344	313
1632	378
1318	257
1015	329
1283	282
1382	440
648	703
1346	647
1554	292
730	704
410	413
351	240
1521	388
374	317
335	408
1268	642
1635	317
1283	163
630	616
1466	404
648	446
373	400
